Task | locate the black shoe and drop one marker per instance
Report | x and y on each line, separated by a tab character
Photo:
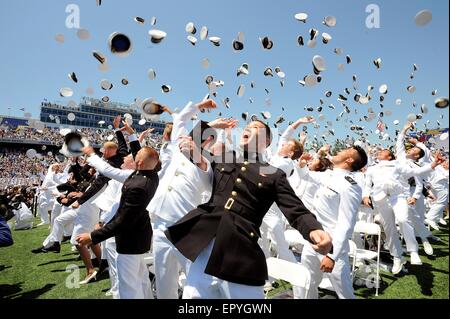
55	247
66	238
38	250
103	266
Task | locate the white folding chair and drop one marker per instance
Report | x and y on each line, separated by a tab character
352	253
364	254
296	274
295	240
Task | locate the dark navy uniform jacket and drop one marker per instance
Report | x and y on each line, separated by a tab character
242	193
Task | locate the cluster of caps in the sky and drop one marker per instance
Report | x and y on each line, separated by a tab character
121	45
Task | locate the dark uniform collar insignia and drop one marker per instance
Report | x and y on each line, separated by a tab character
350	180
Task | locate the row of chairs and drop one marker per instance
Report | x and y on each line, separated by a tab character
299	276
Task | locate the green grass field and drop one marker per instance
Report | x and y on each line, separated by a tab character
44	276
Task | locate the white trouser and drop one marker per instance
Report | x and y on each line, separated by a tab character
168	262
436	207
66	217
340	277
57	210
417	213
134	281
273	226
200	285
110	254
45	204
87	216
395	209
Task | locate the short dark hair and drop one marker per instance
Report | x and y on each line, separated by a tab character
421	152
268	131
297	150
360	162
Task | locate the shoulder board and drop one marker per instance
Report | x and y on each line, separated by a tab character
350	180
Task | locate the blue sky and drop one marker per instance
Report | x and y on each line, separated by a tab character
33	66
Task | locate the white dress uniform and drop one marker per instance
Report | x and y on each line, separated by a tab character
306	188
439	185
439	182
64	220
387	182
417	211
46	199
273	225
24	218
180	191
109	203
336	207
88	215
57	207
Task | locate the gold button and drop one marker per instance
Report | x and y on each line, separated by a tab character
239	180
169	189
177	174
252	234
243	169
233	193
245	163
260	185
222	169
183	164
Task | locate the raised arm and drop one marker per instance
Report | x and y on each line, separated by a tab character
181	119
107	170
419	171
135	145
400	145
123	148
304	172
290	130
95	187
